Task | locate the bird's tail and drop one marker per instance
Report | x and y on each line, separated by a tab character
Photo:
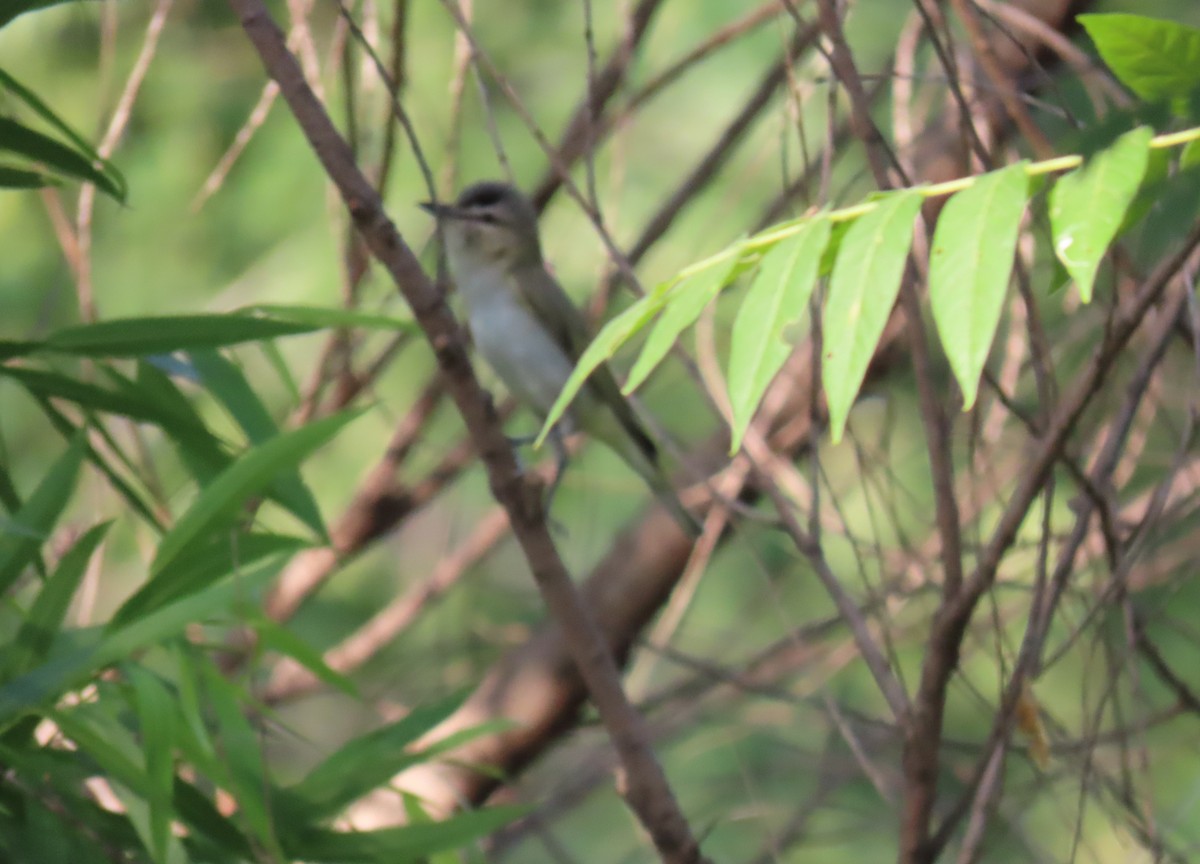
646	463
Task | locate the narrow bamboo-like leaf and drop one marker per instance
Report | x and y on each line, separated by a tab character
37	147
52	385
774	304
969	266
137	337
246	772
78	654
20	91
10	9
364	763
39	514
205	563
1158	60
406	845
156	720
612	336
276	637
683	305
1088	205
69	431
217	832
226	381
16	178
326	317
46	615
862	291
219	503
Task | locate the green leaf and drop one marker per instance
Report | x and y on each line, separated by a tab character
275	637
46	615
1088	205
328	317
612	336
1190	157
862	290
225	381
17	89
16	178
246	772
156	719
39	514
410	843
10	9
774	304
1156	59
970	262
51	385
205	563
78	654
364	763
137	337
33	145
683	305
219	503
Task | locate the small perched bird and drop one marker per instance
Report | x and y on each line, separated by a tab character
530	332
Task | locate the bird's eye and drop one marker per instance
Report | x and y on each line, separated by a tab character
489	218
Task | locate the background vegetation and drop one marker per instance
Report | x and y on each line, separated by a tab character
190	673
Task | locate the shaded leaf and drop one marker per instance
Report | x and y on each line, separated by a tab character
775	302
970	262
410	843
33	145
219	503
225	380
330	317
46	615
862	290
39	514
137	337
206	562
1088	205
364	763
156	720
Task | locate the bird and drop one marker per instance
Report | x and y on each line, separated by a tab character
531	333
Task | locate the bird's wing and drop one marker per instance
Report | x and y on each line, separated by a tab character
545	298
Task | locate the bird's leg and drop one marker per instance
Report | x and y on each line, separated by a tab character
558	442
516	442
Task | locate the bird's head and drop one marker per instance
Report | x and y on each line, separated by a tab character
491	224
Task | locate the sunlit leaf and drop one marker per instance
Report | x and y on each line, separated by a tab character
1158	60
612	336
862	291
970	262
683	305
1088	205
774	304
